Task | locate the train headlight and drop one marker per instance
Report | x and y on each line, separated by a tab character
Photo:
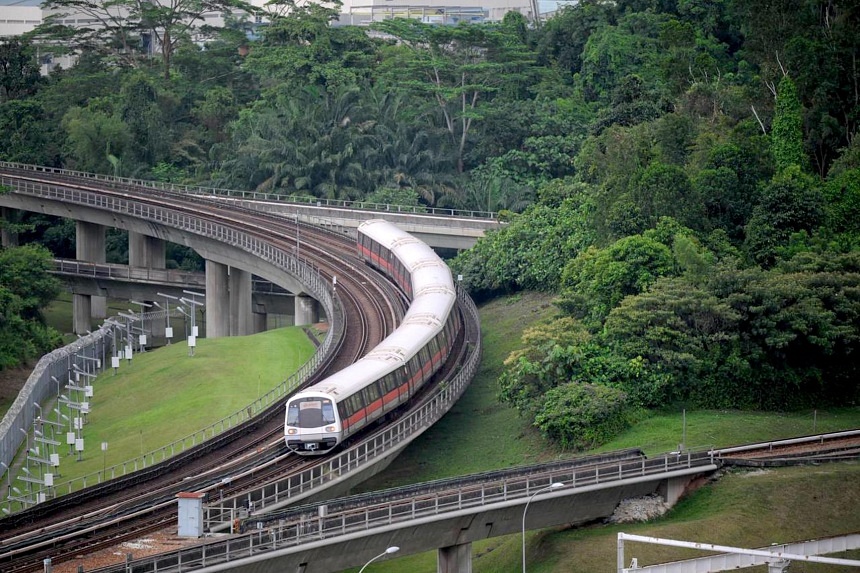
329	428
292	431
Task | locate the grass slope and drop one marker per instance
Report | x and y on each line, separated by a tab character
480	434
165	395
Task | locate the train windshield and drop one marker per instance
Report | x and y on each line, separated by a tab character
310	412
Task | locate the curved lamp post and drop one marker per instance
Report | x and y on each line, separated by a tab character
550	487
389	551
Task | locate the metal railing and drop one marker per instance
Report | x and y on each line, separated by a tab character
299	200
360	456
17	422
316	523
176	277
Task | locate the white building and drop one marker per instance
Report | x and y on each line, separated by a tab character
19	16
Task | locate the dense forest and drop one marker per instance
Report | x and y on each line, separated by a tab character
683	174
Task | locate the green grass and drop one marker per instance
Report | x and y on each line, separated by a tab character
165	395
480	434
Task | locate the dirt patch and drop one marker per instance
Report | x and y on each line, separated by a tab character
151	544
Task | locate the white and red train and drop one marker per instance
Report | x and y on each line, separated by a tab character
324	415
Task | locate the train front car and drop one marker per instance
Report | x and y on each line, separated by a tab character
312	425
386	378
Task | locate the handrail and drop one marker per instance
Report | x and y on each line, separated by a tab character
21	417
272	197
196	279
313	524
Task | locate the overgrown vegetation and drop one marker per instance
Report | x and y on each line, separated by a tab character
683	176
26	287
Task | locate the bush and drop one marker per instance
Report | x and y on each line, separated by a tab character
582	416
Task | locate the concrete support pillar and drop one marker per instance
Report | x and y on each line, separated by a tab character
9	238
145	251
81	313
454	559
241	321
672	489
217	300
149	253
307	310
780	566
90	247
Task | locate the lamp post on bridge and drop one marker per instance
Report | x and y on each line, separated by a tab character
389	551
550	487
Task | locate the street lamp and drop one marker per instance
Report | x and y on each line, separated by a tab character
550	487
389	551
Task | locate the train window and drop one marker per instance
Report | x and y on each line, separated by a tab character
371	394
310	412
389	383
328	412
353	404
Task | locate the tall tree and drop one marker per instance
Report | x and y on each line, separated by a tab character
127	27
19	70
455	68
787	135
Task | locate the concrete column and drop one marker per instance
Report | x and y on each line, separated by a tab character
217	300
241	321
90	247
307	310
454	559
81	313
145	251
9	238
149	253
672	489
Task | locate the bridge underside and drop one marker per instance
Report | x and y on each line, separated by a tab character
452	533
229	304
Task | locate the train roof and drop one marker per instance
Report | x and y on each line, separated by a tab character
434	297
420	260
423	320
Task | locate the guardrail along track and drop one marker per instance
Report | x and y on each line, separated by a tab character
370	306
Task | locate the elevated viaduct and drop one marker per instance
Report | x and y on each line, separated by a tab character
228	271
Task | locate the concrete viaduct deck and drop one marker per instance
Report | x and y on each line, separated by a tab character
445	228
138	283
447	515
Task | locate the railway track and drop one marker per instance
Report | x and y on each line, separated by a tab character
804	449
98	515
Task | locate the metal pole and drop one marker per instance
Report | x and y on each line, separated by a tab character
392	549
547	488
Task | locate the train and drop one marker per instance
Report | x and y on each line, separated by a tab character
323	416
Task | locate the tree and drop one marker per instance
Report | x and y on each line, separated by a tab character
128	28
26	286
583	416
597	280
563	37
454	68
787	134
790	203
94	135
665	191
19	70
301	47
